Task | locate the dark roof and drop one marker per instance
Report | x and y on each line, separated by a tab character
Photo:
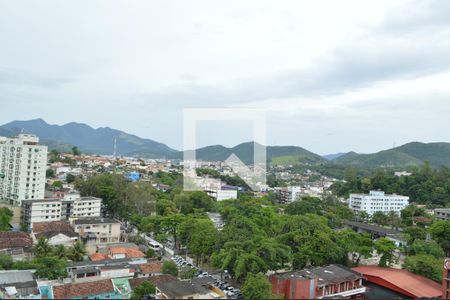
106	262
168	285
95	221
84	289
370	227
332	274
10	239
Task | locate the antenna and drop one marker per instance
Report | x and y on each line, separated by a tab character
115	148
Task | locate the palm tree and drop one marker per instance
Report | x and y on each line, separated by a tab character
77	252
60	251
42	247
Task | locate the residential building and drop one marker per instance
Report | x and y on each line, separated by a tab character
377	201
16	244
289	194
56	233
23	165
317	283
109	268
401	281
97	231
442	214
168	287
92	289
16	284
222	194
446	280
49	210
40	210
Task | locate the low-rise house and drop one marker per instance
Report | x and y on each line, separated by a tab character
57	233
151	268
117	251
112	268
16	284
92	289
168	287
317	283
94	231
442	214
17	244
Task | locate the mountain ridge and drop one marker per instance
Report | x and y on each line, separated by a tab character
101	141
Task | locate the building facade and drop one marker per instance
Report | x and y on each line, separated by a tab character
442	214
377	201
98	230
317	283
22	165
48	210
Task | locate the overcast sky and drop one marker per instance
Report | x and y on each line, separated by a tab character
333	76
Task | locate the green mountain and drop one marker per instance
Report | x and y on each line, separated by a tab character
411	154
245	152
90	140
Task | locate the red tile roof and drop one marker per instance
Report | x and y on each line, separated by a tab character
151	267
129	252
60	226
405	282
84	289
98	256
9	239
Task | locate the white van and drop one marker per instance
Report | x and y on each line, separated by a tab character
155	246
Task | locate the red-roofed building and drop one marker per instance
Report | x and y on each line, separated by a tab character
100	289
98	256
401	281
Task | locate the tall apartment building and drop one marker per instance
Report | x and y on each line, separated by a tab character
22	167
71	207
377	201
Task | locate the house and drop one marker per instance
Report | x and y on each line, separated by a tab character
56	233
17	244
98	289
94	231
151	268
206	289
318	282
118	252
16	284
168	287
111	268
401	281
442	214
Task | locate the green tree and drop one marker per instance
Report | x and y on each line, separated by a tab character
76	151
42	248
77	252
425	247
440	230
6	261
145	289
257	286
169	267
51	268
5	218
356	244
380	218
200	236
385	248
57	184
70	178
150	253
425	265
60	251
50	173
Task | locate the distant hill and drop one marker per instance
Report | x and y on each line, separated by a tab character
411	154
333	156
90	140
274	154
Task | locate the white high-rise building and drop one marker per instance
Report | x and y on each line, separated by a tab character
377	201
23	164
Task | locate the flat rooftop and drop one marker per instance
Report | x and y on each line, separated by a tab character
95	220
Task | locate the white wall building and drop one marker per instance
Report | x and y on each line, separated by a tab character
47	210
377	201
23	164
221	195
